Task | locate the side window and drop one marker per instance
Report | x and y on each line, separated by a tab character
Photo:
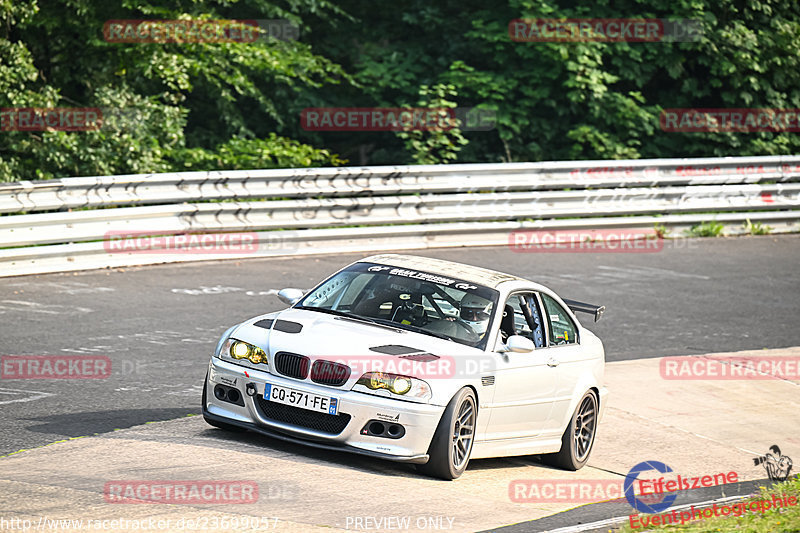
327	294
524	318
562	328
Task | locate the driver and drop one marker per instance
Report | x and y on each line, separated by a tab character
475	311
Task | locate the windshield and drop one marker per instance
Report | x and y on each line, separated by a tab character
408	299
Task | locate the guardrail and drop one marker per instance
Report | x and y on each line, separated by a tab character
82	223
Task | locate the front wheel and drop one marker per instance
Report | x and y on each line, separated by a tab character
451	445
578	438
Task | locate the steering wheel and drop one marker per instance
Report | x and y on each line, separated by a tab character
471	335
453	328
414	313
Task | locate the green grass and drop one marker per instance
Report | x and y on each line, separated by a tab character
778	520
662	231
706	229
757	228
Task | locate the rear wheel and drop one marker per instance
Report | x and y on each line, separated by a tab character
215	423
578	438
451	445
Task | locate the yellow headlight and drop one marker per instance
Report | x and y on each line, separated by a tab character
382	380
244	350
378	380
401	385
413	389
240	350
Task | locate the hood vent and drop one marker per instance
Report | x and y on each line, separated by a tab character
395	349
422	357
287	326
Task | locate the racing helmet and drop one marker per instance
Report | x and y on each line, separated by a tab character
476	311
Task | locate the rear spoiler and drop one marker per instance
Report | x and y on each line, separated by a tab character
580	307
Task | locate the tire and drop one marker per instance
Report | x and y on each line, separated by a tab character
578	438
215	423
451	446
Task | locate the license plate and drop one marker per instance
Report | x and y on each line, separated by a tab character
304	400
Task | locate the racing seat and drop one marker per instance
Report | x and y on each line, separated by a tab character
507	323
371	307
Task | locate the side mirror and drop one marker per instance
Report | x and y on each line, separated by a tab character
519	344
290	296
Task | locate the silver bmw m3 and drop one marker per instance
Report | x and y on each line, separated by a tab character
417	360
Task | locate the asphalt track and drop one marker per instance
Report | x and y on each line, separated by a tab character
159	324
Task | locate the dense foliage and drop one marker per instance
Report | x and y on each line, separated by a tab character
236	105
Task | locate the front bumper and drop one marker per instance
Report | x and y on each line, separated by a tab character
419	420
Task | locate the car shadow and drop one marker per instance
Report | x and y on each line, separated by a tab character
99	422
498	463
265	445
103	422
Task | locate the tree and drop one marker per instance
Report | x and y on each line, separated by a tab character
574	100
167	106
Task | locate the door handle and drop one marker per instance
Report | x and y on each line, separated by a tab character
553	362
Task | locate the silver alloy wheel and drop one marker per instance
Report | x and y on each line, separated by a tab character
585	423
463	432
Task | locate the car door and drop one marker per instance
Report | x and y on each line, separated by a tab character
524	383
565	355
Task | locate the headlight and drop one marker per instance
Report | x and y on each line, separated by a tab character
385	384
223	339
242	350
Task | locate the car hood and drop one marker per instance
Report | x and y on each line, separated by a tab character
317	334
364	348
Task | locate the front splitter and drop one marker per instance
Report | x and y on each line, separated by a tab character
411	459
